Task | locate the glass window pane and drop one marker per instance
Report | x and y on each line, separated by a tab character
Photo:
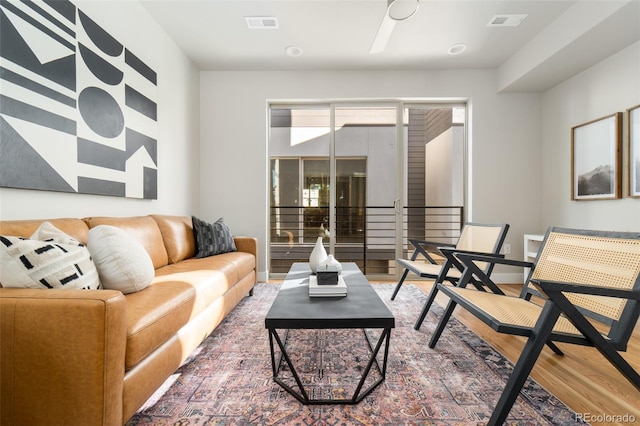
316	199
294	135
284	218
351	199
435	188
300	132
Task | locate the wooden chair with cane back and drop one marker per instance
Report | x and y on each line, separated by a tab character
480	238
588	287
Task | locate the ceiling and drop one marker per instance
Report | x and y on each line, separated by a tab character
557	39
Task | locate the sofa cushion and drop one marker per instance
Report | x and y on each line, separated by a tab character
210	276
154	315
243	263
179	292
177	234
208	284
122	262
212	238
142	228
58	261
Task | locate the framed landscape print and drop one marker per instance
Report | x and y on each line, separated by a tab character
633	123
596	159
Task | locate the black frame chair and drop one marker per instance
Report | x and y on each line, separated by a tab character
572	267
478	238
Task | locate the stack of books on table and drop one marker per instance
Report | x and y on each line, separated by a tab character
327	290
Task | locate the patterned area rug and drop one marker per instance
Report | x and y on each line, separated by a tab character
228	379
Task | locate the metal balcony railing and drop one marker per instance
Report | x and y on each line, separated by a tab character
364	235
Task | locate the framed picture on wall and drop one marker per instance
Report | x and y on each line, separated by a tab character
596	159
79	110
633	133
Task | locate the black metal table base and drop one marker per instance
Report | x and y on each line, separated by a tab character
303	396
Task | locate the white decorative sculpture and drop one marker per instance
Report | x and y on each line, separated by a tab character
318	255
330	264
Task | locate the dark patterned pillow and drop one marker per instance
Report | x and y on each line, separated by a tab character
212	238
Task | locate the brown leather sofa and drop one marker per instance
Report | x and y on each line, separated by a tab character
93	357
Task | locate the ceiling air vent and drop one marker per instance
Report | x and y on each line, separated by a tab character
506	20
261	22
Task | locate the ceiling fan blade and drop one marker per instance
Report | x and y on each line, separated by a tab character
383	35
397	10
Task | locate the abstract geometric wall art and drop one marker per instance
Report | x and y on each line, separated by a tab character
78	110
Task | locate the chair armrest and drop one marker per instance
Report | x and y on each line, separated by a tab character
621	327
468	259
452	256
472	253
428	243
453	253
473	270
555	286
420	245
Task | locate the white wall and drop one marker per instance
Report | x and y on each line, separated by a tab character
505	132
610	86
444	168
178	128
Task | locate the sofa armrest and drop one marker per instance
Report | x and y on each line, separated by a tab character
61	356
247	244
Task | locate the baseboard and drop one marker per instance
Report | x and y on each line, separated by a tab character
263	276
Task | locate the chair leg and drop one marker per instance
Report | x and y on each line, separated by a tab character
523	367
605	347
554	348
427	306
619	362
395	290
442	324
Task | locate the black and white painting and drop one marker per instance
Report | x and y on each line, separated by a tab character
633	120
596	159
78	110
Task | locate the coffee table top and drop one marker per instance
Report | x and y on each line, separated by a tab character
361	308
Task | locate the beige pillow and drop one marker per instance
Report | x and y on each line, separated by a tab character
122	262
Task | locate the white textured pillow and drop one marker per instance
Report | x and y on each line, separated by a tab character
58	261
122	262
47	232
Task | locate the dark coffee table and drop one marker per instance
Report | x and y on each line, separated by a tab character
360	309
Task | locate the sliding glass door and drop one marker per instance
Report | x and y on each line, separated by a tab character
299	145
366	148
435	172
349	173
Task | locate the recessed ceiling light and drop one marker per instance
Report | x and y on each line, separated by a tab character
457	48
293	51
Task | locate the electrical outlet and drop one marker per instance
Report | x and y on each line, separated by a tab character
506	248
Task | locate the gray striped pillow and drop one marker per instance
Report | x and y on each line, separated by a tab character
212	238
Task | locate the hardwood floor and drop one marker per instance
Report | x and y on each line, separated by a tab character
582	378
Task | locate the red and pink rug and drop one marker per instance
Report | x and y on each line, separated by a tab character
228	380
